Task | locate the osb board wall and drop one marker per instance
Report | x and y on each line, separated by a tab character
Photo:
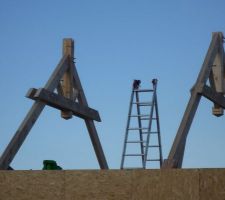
184	184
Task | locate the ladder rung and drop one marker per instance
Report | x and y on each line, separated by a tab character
152	146
134	154
153	160
153	118
143	103
139	115
144	90
146	118
150	132
135	141
132	129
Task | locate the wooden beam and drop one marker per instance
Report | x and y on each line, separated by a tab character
31	117
57	73
213	96
62	103
216	110
67	79
217	39
89	123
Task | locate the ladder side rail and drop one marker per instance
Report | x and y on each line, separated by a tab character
149	127
158	130
127	129
140	126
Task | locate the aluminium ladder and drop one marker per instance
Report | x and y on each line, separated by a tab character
147	125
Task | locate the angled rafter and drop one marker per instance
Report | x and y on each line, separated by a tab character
89	123
31	117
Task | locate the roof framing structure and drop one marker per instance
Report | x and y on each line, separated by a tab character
212	72
69	99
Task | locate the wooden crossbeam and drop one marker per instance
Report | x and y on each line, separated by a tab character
213	96
63	104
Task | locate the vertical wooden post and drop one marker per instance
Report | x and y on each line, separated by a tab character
67	79
217	78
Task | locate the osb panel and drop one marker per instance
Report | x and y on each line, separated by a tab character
31	185
113	184
4	189
212	184
165	184
98	185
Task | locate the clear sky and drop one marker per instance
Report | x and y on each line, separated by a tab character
116	41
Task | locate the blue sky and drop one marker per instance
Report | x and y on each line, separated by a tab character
116	42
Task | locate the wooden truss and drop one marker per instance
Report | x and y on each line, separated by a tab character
69	99
212	71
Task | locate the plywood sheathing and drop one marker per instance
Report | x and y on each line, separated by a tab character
212	184
166	184
103	185
172	184
32	185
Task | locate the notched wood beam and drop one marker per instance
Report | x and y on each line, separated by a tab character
63	104
213	96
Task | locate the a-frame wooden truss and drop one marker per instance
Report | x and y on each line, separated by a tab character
70	99
212	71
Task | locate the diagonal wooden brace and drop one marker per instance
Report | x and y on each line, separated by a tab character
89	123
32	116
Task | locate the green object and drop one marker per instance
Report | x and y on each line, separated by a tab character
50	165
